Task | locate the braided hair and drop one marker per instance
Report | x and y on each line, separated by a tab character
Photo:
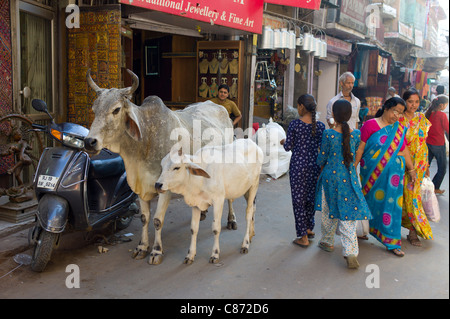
342	111
309	102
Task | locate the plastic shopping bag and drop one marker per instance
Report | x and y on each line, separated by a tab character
429	200
362	228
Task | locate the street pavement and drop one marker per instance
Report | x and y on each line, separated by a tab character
274	268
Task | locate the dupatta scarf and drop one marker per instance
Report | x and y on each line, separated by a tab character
382	172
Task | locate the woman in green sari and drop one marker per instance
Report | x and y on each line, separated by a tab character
384	158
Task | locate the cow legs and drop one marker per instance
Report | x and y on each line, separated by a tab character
158	222
142	249
216	227
250	217
231	216
195	222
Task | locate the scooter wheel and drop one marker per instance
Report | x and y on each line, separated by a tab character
43	250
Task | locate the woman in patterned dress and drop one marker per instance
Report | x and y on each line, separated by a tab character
344	201
414	217
384	157
303	138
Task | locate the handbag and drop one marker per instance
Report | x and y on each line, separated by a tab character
429	200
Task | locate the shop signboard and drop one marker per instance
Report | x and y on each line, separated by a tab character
306	4
237	14
353	14
339	47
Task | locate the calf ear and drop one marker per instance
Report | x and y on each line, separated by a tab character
197	170
132	124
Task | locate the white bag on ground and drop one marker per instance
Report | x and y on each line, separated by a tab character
276	159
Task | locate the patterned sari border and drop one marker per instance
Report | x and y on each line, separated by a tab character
387	241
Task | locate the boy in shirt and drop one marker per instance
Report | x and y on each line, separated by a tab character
222	99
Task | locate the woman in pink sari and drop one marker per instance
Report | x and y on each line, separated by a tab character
384	158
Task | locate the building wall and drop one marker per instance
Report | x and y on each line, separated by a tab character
6	84
95	45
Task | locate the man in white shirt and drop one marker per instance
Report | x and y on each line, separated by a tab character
346	81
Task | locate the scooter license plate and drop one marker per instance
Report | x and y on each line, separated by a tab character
47	181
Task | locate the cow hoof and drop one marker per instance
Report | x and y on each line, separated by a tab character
213	260
155	259
139	253
244	250
232	225
188	261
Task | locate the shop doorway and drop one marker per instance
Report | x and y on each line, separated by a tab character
166	66
36	59
35	76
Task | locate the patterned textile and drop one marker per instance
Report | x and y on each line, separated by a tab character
413	214
382	171
303	171
95	45
5	78
340	184
347	230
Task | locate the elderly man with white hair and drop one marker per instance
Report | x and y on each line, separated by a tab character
391	92
346	81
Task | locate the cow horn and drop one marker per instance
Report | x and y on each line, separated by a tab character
130	90
91	82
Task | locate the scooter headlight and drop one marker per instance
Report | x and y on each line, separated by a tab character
72	141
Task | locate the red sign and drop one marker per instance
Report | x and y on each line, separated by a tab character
306	4
238	14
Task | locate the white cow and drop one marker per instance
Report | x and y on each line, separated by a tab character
142	136
210	176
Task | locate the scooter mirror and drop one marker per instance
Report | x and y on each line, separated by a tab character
40	106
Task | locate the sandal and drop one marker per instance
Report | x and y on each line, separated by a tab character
310	234
297	242
326	247
413	239
397	252
352	262
365	237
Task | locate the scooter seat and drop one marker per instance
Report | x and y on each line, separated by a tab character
106	164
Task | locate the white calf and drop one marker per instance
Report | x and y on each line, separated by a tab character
213	174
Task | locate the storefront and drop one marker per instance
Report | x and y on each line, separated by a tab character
326	73
371	67
29	68
180	52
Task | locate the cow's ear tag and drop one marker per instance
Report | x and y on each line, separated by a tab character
133	129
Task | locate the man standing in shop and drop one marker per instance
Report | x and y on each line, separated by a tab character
222	99
346	81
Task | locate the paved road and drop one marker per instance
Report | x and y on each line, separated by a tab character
274	268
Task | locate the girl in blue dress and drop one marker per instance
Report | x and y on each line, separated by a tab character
344	202
303	138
